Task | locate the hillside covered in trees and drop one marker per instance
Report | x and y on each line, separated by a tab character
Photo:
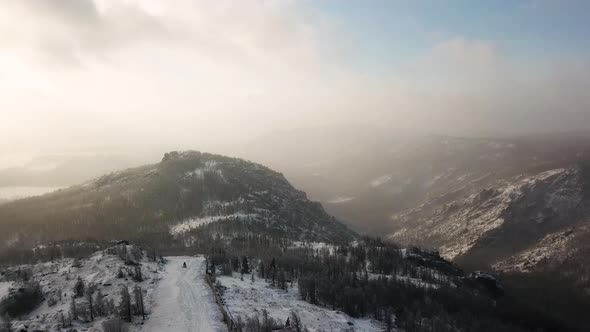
186	195
405	289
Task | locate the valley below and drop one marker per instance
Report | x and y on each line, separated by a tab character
464	241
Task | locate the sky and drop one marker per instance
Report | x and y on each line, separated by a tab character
94	74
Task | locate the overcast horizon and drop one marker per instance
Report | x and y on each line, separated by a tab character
86	75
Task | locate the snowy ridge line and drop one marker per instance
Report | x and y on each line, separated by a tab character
227	317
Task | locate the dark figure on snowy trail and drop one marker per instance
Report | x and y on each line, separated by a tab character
184	265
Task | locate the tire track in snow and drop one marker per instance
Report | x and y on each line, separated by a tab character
183	301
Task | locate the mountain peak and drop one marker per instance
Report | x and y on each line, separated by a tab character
186	196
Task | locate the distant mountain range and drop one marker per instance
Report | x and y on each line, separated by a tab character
517	204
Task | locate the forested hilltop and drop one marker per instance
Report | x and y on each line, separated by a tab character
186	195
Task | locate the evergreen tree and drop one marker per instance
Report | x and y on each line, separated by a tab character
125	304
89	298
73	309
99	304
79	287
245	265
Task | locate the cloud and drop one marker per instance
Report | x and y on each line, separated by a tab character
462	52
256	32
68	31
196	73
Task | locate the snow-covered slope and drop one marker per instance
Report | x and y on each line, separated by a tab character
183	301
245	298
4	288
505	220
57	280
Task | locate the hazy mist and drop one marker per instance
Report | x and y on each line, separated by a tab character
112	75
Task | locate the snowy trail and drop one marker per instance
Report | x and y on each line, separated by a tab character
183	301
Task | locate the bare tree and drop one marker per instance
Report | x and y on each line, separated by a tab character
90	289
138	295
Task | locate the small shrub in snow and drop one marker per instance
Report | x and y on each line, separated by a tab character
137	275
6	325
52	301
65	320
76	262
226	269
114	325
295	322
256	324
22	301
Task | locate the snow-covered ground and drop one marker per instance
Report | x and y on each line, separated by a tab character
380	180
193	223
183	301
340	199
316	246
57	281
4	287
247	298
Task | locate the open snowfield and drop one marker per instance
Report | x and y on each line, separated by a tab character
4	287
245	299
183	301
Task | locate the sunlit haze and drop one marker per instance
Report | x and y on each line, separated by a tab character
87	75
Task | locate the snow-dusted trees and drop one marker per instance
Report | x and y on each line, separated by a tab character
137	275
262	324
88	294
65	321
245	265
73	309
26	299
138	305
6	324
79	287
125	304
99	304
388	320
295	321
114	325
131	304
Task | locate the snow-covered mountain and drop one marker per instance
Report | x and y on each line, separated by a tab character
187	194
508	221
490	201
